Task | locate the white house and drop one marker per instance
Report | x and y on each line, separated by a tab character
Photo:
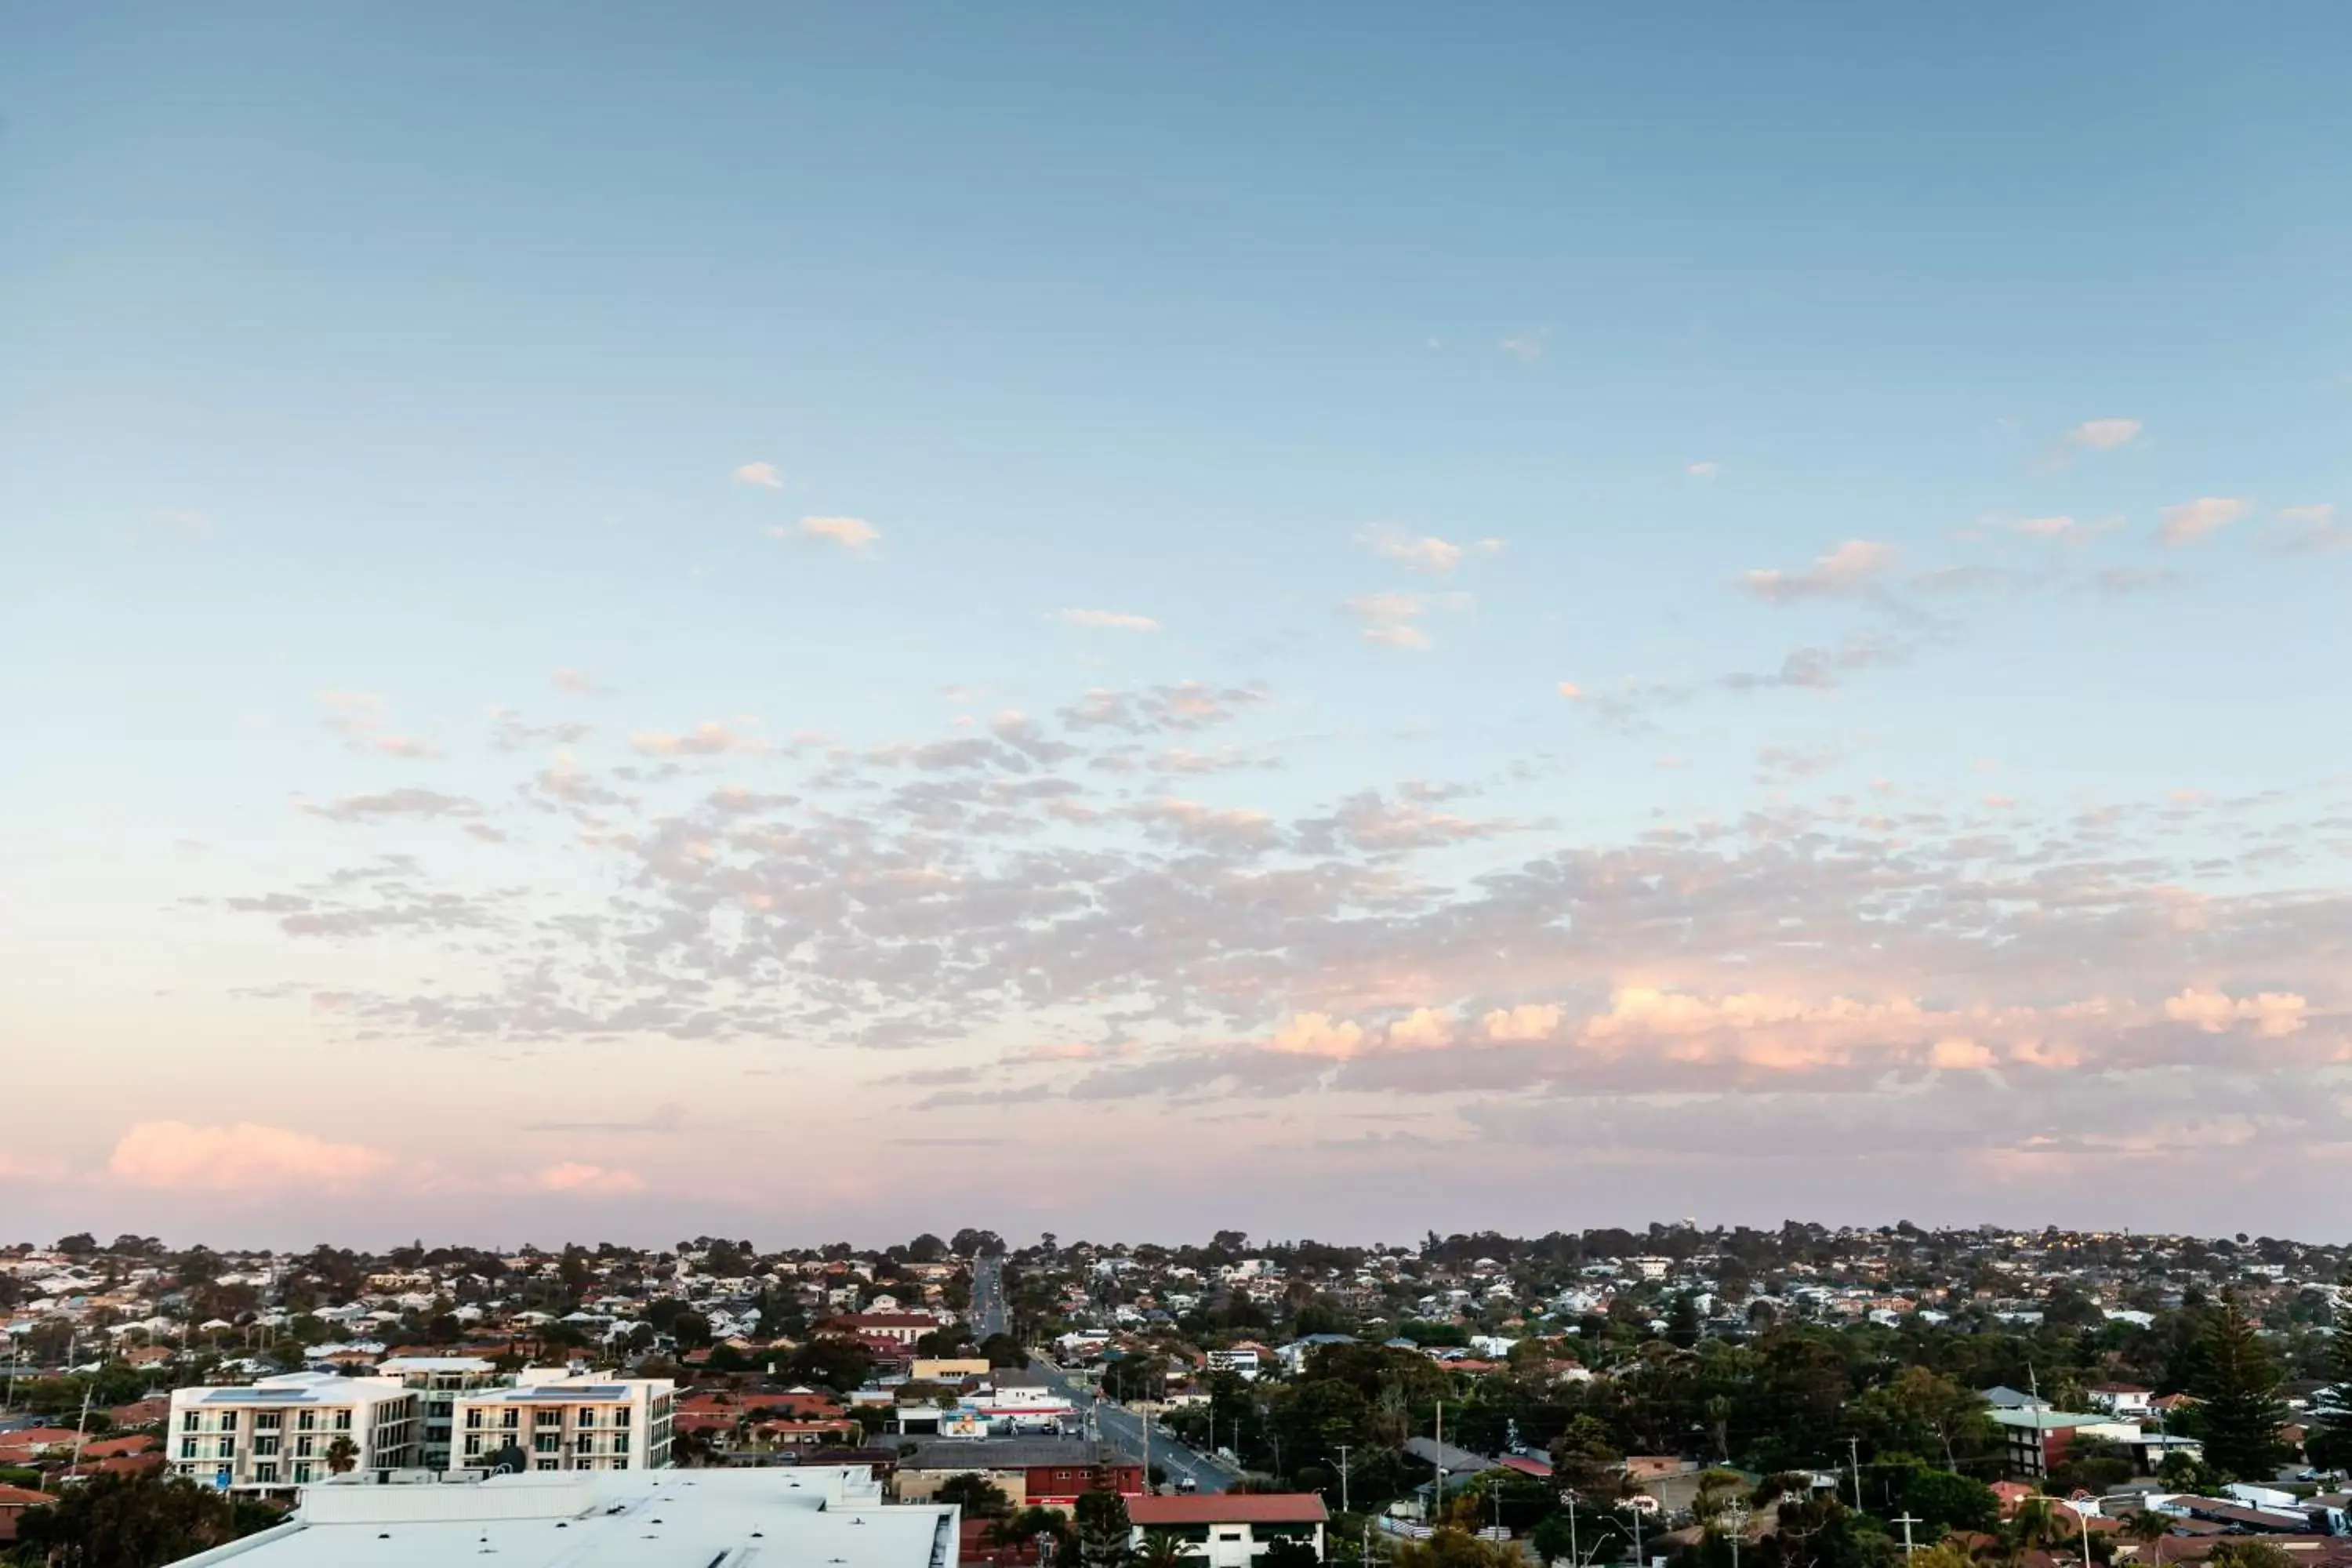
1231	1529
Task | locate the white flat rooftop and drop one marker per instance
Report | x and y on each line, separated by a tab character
816	1517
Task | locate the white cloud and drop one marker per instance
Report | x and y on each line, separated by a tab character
246	1157
2104	435
2196	519
1571	690
852	533
1425	553
2045	527
1110	620
1852	568
2310	530
765	475
1528	347
578	682
1707	470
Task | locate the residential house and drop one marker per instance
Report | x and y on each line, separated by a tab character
1232	1530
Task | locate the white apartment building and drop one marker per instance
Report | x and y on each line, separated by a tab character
558	1420
279	1433
438	1380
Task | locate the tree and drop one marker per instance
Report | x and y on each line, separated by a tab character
1101	1528
1452	1548
1921	1412
127	1521
1289	1551
341	1454
2330	1443
1162	1549
2241	1412
2246	1553
1944	1502
977	1496
2149	1528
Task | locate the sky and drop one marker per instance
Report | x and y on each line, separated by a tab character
829	620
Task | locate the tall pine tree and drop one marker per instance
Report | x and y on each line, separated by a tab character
2329	1445
1102	1528
2242	1412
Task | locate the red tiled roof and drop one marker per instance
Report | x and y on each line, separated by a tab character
24	1497
1231	1508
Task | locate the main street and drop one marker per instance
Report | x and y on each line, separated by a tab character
1122	1429
988	1306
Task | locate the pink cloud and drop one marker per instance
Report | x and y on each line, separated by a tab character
571	1176
2196	519
2273	1014
1849	569
1318	1035
246	1157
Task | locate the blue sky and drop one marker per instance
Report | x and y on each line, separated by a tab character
1378	371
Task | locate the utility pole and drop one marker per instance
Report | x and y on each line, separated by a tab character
1572	1529
1147	1453
1439	1511
1906	1521
1854	1450
1343	1479
81	1428
1738	1513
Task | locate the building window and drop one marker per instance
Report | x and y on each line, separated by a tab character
511	1419
621	1416
302	1473
228	1420
547	1443
191	1421
620	1462
265	1420
265	1444
544	1417
473	1419
473	1446
227	1450
548	1465
265	1474
585	1443
302	1446
587	1415
187	1447
343	1420
306	1421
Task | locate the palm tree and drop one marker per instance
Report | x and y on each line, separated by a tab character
2149	1528
341	1454
1162	1549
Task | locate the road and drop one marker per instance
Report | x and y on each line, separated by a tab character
987	1297
1122	1429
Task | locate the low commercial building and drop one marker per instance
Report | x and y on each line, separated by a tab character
285	1432
1231	1529
611	1519
556	1420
